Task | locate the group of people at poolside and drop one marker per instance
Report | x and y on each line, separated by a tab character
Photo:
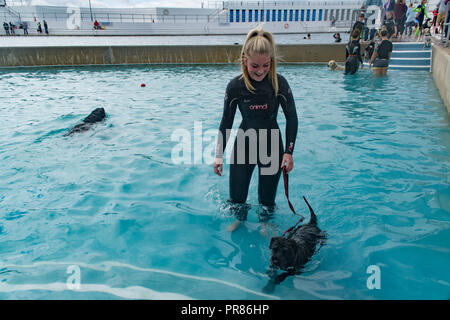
10	28
377	53
398	21
406	20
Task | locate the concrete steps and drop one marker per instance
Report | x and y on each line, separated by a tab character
410	56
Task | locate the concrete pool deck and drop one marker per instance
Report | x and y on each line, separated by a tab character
90	54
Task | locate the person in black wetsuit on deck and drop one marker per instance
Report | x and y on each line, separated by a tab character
258	93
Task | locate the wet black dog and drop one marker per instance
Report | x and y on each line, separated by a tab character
95	116
293	252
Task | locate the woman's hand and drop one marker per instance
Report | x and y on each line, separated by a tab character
288	162
218	166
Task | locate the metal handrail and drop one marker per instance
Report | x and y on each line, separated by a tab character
446	40
12	12
123	17
104	16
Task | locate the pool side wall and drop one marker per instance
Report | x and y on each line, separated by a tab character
93	55
441	72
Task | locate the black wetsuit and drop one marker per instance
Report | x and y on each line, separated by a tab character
360	26
383	51
353	56
259	111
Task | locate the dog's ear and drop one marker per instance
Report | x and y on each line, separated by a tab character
273	241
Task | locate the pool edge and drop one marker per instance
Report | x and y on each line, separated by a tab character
441	72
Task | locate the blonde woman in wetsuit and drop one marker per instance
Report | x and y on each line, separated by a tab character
257	92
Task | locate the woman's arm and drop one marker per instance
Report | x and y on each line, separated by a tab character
288	105
358	53
229	110
374	55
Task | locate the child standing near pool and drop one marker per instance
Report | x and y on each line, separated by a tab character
421	13
257	92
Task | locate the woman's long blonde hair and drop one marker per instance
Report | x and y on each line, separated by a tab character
260	42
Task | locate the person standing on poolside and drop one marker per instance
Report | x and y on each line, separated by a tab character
11	29
257	92
441	16
410	19
39	28
6	27
25	28
400	18
359	25
421	13
381	55
46	27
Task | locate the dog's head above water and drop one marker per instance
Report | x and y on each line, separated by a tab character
95	116
332	64
284	253
293	251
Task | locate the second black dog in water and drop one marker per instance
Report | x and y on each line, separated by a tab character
293	252
95	116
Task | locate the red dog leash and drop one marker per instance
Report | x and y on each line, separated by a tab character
286	192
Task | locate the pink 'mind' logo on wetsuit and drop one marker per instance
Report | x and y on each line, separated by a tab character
258	107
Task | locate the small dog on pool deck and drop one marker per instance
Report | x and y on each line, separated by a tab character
293	252
427	38
95	116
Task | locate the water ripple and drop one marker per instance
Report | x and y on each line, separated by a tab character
372	162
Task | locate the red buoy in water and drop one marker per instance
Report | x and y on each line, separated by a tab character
142	85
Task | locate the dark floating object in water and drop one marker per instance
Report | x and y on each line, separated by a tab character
95	116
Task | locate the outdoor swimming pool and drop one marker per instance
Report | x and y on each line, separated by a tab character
109	210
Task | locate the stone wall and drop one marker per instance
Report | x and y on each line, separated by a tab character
441	72
93	55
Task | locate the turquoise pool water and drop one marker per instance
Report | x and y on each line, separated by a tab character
109	210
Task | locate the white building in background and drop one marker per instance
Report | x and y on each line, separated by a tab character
227	17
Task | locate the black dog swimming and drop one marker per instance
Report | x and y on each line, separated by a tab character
95	116
294	251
